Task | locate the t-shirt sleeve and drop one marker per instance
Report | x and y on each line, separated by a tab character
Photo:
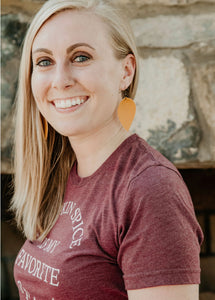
159	236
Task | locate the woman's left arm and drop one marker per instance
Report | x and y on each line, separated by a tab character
170	292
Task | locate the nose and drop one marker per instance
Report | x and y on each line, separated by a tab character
62	76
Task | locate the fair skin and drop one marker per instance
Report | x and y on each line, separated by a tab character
81	65
171	292
77	83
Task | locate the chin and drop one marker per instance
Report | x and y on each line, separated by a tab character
70	132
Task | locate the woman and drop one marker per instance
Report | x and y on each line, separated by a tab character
105	215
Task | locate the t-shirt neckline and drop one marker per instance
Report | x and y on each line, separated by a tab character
75	179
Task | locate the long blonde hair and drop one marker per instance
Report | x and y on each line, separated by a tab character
42	166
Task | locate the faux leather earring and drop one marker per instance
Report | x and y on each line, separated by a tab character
126	112
45	127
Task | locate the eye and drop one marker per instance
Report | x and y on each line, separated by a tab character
81	58
44	63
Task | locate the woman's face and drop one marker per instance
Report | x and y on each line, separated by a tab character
76	79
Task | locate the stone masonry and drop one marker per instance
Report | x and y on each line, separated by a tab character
176	94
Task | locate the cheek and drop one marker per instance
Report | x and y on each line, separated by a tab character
101	77
38	86
87	78
100	82
112	78
35	86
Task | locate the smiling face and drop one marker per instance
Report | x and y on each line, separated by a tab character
77	79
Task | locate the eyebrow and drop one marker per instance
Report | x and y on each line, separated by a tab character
78	45
69	49
42	50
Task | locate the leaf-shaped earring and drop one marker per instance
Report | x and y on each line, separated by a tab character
126	112
45	127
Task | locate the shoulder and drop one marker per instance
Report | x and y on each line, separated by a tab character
150	183
154	188
140	164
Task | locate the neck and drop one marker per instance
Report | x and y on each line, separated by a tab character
93	149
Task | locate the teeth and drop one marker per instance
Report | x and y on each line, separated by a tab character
69	102
74	102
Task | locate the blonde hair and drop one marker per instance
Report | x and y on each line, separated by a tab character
42	166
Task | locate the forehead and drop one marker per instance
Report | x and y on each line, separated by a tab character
73	26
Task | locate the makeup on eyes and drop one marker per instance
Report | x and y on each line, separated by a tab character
82	54
79	56
42	62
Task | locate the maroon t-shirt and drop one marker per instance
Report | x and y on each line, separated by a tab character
130	225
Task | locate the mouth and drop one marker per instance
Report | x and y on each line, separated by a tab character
70	102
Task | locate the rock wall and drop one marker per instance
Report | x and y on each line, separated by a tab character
176	95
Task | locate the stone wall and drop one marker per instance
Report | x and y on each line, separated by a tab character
176	94
175	104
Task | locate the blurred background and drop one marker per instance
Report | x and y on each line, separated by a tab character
175	107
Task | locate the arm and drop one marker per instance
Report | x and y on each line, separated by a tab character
176	292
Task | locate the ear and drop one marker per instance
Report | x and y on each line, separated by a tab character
129	66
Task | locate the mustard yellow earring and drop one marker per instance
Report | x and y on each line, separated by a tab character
126	112
45	127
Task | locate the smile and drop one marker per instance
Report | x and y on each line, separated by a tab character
70	102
